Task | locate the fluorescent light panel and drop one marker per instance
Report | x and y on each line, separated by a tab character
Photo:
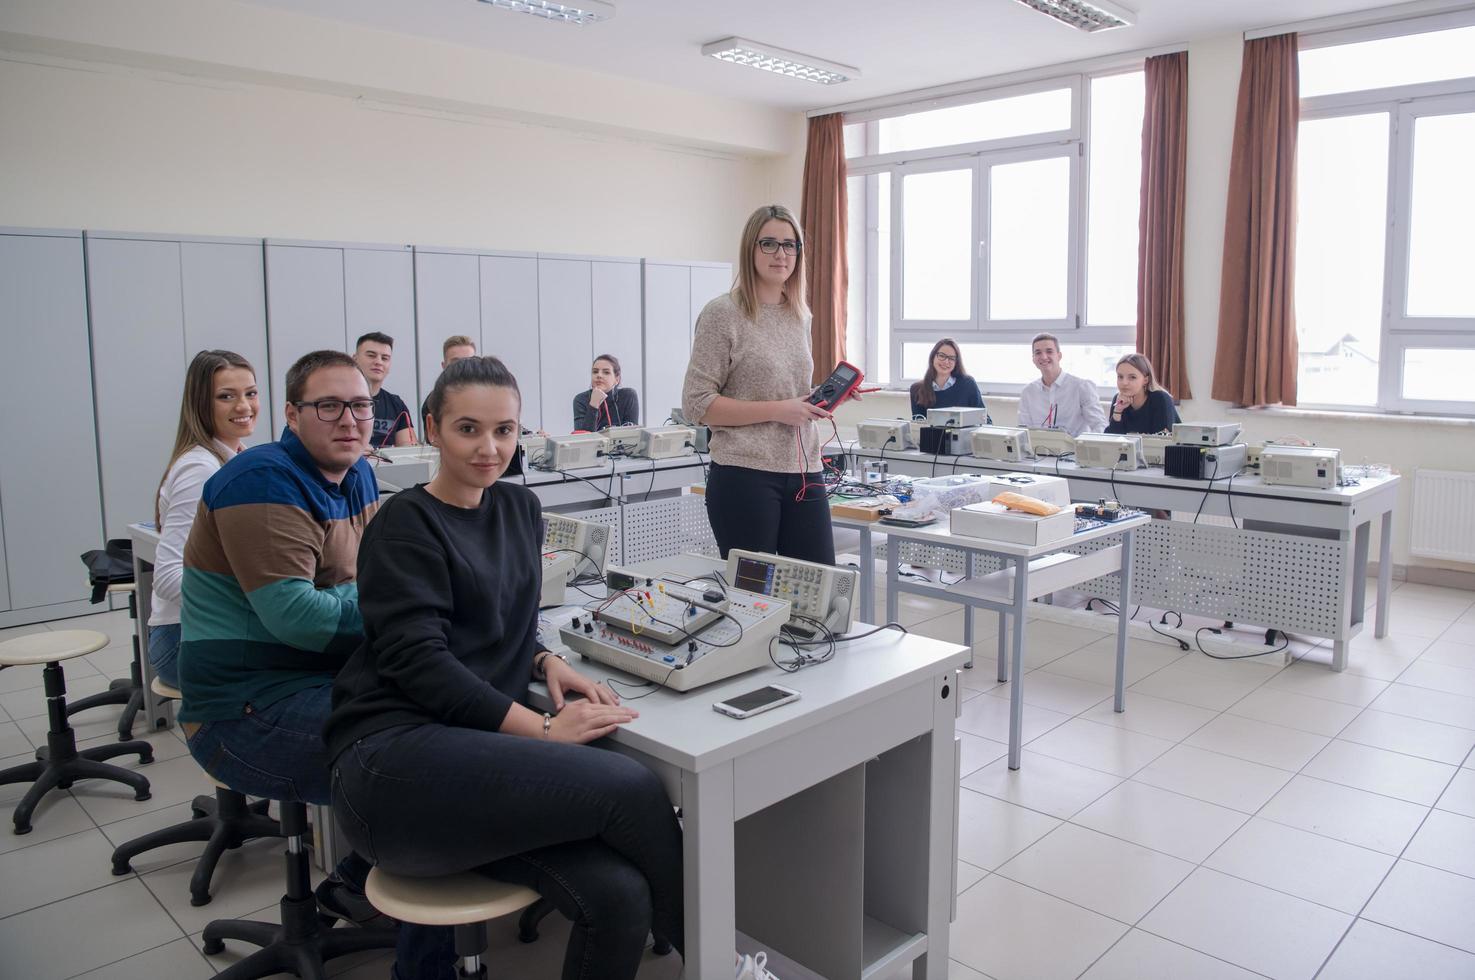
740	51
1085	15
583	12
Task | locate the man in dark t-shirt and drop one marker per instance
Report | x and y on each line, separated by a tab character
393	425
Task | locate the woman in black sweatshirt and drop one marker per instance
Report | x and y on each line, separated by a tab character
438	766
1140	405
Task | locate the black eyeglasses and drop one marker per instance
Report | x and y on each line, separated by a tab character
331	409
949	358
770	246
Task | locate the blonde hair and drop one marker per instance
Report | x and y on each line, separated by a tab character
197	409
745	286
1144	368
456	340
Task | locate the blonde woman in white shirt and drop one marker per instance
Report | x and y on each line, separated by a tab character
1058	400
216	417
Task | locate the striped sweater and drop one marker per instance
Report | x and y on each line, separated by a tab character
270	602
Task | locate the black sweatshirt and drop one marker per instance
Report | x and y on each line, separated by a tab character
449	598
620	407
1156	415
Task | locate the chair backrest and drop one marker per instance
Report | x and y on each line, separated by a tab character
113	565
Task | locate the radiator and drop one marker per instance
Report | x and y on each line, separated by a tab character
1442	524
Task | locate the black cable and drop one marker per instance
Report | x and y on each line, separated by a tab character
1229	499
1241	656
1182	645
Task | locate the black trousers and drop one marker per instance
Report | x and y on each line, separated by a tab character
588	829
755	510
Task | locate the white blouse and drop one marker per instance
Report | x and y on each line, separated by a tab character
179	498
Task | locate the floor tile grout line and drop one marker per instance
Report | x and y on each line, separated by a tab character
1381	882
103	966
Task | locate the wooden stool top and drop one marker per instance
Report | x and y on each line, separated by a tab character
450	900
43	648
164	690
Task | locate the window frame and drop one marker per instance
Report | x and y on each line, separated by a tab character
1072	143
1404	104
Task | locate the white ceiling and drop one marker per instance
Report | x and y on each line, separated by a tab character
898	45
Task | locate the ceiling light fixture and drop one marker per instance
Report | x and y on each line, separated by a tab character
764	57
1085	15
582	12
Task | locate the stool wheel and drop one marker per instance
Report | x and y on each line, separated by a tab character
213	946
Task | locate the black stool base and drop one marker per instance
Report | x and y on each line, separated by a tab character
68	766
299	946
121	691
224	820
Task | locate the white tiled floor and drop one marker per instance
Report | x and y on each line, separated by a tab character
1239	820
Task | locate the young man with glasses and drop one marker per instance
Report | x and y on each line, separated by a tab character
270	609
1058	400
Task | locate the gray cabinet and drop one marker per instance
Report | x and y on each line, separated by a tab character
675	293
224	302
447	303
508	296
323	295
617	313
48	474
138	363
565	326
154	302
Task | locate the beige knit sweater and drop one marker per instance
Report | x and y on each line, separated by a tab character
766	360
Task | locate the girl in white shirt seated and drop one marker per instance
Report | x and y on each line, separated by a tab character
216	417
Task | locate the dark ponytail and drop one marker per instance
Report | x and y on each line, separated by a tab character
465	373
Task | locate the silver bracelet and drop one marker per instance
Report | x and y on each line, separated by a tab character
540	664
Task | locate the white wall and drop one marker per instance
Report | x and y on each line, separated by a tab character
133	138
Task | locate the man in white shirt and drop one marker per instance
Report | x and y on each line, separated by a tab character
1058	400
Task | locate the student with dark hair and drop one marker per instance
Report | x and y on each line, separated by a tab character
606	403
946	384
271	610
1140	405
216	417
392	423
439	766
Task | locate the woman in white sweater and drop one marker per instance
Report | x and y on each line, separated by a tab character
216	417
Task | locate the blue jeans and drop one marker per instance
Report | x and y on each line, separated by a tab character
590	830
164	652
277	753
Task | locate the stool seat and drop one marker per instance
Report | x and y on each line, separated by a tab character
119	588
164	690
450	900
51	646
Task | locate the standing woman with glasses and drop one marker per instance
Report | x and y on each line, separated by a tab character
216	417
748	379
946	384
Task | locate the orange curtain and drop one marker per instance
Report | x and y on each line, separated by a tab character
1256	359
822	210
1160	221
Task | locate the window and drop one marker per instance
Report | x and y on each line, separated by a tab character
1385	299
1014	212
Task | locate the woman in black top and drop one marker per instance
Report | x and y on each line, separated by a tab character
946	384
438	765
1140	405
605	403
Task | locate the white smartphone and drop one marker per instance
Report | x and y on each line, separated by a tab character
756	702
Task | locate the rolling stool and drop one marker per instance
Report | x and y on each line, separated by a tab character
465	900
527	926
127	691
59	764
225	821
302	943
